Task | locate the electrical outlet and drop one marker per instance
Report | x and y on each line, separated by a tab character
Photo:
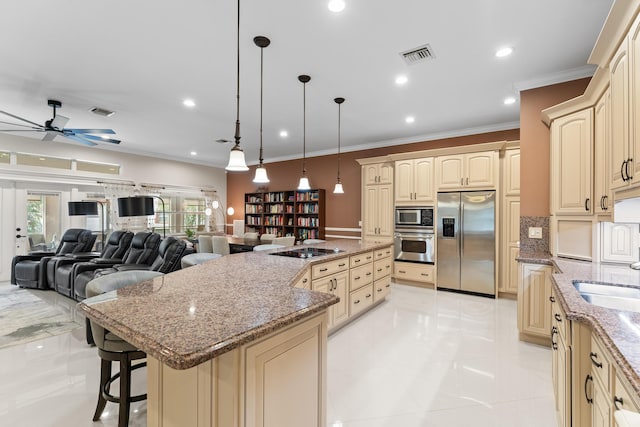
535	232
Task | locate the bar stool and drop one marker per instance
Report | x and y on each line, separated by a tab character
112	348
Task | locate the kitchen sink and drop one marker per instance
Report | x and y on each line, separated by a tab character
609	295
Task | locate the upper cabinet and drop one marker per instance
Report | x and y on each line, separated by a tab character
377	173
601	141
511	172
467	171
571	163
414	181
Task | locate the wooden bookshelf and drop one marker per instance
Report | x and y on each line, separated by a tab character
286	213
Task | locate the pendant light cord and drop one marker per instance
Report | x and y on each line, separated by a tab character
304	129
338	142
237	135
261	79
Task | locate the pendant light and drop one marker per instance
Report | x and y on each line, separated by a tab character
338	188
261	172
236	156
304	181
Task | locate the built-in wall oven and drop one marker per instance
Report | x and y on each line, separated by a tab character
413	237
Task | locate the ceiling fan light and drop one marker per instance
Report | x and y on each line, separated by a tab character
236	160
304	184
261	175
338	188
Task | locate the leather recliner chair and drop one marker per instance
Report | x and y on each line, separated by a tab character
170	253
143	251
29	271
60	268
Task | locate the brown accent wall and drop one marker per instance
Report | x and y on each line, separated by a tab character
342	210
534	143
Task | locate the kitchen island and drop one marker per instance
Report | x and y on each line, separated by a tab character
231	342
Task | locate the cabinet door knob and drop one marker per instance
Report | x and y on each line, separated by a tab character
618	400
552	299
586	384
558	317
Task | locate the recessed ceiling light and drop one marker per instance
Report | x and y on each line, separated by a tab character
42	159
284	134
400	80
505	51
410	119
193	153
510	100
189	103
336	5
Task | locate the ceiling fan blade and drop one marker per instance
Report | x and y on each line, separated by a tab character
50	135
59	122
80	139
22	126
97	131
20	118
99	138
21	130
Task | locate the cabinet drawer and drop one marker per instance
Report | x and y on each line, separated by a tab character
600	363
360	299
381	288
381	268
305	281
330	267
361	259
413	272
622	398
559	319
361	276
381	253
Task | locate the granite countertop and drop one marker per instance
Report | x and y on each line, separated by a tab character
190	316
618	330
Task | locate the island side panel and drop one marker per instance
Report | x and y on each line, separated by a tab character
276	381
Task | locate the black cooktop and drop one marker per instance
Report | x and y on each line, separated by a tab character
306	252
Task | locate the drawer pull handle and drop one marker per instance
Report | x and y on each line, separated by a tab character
357	260
369	257
323	269
369	273
357	301
554	345
341	265
402	271
356	278
586	383
424	274
379	270
617	400
368	296
305	280
552	299
388	285
558	317
379	289
594	357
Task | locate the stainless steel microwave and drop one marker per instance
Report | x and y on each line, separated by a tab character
414	217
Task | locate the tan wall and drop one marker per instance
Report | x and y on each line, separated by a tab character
534	143
341	210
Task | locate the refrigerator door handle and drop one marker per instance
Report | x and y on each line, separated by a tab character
461	230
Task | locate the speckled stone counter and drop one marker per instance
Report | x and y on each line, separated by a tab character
618	330
193	315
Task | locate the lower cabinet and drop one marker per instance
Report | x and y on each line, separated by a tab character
338	285
534	290
422	273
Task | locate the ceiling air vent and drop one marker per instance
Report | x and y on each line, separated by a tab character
102	111
418	54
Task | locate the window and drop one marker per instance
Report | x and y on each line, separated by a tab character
5	157
108	168
193	216
42	161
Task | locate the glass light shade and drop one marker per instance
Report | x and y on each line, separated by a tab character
215	204
208	211
230	211
236	160
338	188
261	175
304	184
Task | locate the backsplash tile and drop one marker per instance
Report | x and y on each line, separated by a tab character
534	245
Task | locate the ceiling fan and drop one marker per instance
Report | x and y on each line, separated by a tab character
55	127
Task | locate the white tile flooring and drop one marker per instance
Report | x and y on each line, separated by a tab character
423	358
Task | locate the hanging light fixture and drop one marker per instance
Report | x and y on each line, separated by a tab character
304	181
261	172
236	156
338	188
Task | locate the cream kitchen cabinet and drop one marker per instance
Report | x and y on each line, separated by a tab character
414	181
601	142
561	361
377	173
333	277
534	313
511	172
467	171
377	212
421	273
620	242
571	163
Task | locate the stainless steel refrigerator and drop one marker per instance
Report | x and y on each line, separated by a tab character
465	259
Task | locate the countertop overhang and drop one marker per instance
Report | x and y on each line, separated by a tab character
190	316
618	330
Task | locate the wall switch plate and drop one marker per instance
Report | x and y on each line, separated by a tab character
359	223
535	232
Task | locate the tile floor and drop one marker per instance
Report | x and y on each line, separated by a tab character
423	358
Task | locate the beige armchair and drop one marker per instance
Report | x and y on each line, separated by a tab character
285	241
